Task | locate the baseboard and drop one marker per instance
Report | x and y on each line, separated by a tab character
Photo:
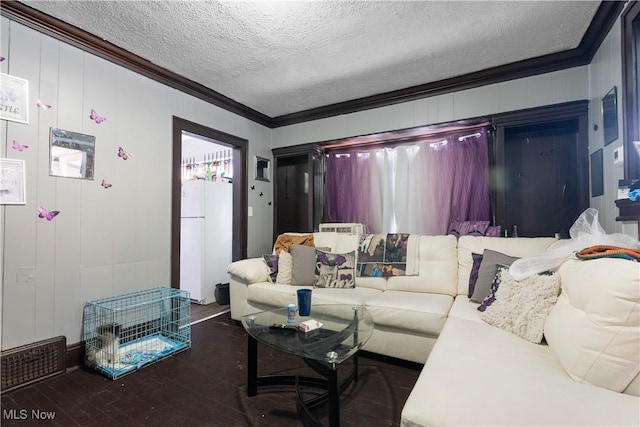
74	356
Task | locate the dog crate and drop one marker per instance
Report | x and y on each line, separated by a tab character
127	332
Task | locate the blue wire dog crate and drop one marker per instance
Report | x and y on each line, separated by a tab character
126	332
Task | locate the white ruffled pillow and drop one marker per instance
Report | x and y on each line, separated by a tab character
285	268
521	306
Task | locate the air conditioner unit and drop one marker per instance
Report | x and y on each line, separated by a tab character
342	228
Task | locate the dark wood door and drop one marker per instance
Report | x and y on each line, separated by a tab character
544	192
292	194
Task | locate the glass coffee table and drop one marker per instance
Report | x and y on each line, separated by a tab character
345	329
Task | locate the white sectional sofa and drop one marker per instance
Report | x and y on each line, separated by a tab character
475	373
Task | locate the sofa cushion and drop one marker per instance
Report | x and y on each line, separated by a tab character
379	283
272	262
250	270
304	264
522	306
335	270
423	313
487	272
480	375
594	329
285	265
356	296
473	276
278	295
437	269
273	294
516	247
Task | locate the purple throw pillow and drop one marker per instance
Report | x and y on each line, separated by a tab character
473	277
493	231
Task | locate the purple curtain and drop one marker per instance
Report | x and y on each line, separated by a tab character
415	188
348	180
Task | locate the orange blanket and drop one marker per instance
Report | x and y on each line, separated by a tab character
285	240
604	251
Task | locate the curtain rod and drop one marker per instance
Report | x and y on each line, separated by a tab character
404	136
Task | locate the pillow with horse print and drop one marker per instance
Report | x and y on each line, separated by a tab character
335	270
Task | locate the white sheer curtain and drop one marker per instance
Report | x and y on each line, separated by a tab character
415	188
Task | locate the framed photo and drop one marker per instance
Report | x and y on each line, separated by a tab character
12	176
597	175
262	172
14	97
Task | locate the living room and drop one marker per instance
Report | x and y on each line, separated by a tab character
95	248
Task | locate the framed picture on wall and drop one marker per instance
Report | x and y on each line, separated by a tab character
12	176
597	175
14	97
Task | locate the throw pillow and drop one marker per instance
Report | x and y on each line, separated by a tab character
335	270
304	264
493	231
494	288
487	271
285	265
473	277
465	228
521	307
272	263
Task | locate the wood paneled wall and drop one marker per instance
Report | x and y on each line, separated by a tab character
104	242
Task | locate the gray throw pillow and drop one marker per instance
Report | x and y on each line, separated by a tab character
304	264
487	271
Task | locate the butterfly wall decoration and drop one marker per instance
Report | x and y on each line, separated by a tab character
105	184
2	58
123	154
44	213
42	105
96	118
17	146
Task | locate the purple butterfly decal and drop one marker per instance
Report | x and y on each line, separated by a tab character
105	184
42	105
2	58
346	277
123	154
17	146
44	213
337	259
96	118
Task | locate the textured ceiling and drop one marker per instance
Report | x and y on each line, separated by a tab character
284	57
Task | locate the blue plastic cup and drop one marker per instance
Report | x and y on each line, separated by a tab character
304	302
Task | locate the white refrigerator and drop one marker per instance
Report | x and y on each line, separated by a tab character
205	237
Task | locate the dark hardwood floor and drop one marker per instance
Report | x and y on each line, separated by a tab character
203	312
205	386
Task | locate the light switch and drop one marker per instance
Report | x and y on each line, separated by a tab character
618	156
250	210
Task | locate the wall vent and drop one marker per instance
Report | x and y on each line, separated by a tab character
33	362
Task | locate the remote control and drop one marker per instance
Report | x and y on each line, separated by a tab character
283	327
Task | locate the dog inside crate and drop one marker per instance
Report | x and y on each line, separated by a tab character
105	350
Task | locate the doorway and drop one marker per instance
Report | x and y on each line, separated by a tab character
238	148
541	171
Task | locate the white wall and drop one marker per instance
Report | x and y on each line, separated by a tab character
605	72
545	89
104	241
